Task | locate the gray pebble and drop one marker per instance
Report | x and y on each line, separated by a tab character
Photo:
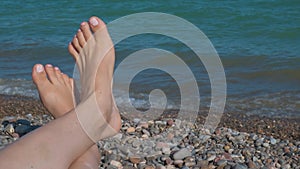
181	154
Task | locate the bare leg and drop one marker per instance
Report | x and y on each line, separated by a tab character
58	143
56	92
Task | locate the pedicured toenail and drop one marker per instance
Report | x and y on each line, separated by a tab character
56	68
48	65
39	68
94	21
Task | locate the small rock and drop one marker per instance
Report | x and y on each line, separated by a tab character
211	158
118	136
9	118
218	131
145	136
15	135
221	162
240	166
226	148
22	129
146	132
170	136
144	125
136	121
135	159
5	123
203	163
149	167
190	164
136	143
161	145
178	163
10	129
29	116
166	150
170	167
116	164
23	121
177	123
181	154
168	161
251	164
170	122
130	130
266	145
160	167
273	141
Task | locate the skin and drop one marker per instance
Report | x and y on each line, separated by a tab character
56	93
60	142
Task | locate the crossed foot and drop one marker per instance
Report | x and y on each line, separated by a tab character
93	52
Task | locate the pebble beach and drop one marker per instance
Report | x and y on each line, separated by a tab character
240	141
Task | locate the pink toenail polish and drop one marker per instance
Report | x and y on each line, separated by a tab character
48	65
56	68
94	21
39	68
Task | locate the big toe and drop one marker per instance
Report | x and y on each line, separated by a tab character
39	75
96	24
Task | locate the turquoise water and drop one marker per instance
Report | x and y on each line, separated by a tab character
258	43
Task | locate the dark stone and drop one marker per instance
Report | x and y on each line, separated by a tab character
23	121
35	127
22	129
5	123
240	166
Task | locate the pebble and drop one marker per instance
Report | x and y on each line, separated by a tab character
23	122
135	159
240	166
116	164
144	125
227	148
178	163
23	129
273	141
181	154
130	130
168	144
9	128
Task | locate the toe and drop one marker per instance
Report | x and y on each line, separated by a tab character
39	75
67	80
51	74
80	38
73	51
85	28
58	75
96	24
76	44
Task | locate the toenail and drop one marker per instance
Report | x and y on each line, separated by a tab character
79	30
39	68
94	21
83	23
48	65
56	68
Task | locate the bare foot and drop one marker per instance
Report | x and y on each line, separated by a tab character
94	54
55	89
56	92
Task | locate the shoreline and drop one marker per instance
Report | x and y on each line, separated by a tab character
282	128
